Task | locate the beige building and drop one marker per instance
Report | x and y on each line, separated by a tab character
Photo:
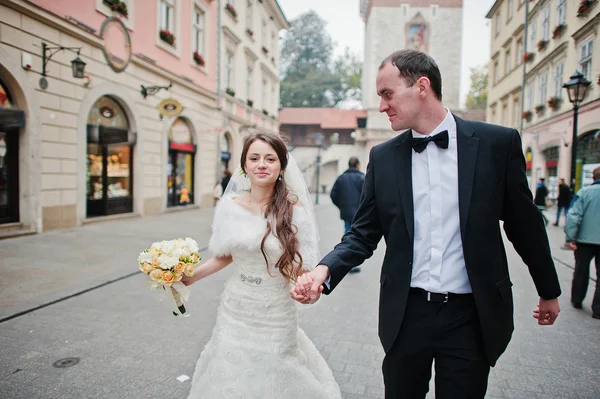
147	126
562	38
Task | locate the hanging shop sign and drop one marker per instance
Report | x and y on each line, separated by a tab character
170	107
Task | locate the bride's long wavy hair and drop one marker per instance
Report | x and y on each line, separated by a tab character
279	210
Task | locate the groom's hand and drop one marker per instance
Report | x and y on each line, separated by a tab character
547	311
315	285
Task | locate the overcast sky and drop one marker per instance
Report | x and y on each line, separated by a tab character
347	29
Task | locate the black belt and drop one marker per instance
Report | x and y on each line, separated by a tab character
437	297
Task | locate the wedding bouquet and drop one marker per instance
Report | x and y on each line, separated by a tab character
166	262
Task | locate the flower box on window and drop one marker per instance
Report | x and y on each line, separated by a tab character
117	6
542	44
554	102
558	30
199	59
250	32
265	50
230	91
598	81
584	8
231	9
527	115
250	102
265	111
167	37
539	109
527	57
260	1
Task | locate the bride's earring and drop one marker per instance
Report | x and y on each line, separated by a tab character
279	177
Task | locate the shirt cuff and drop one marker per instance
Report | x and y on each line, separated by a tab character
327	282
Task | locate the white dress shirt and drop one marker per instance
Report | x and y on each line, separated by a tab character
438	262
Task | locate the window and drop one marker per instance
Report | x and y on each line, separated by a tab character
198	31
167	15
265	90
516	113
543	87
249	14
546	23
497	23
558	79
264	33
520	51
532	36
507	63
249	93
509	9
505	115
229	70
273	42
585	59
562	12
529	95
495	72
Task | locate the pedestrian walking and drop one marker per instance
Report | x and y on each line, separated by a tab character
583	235
345	194
563	201
541	193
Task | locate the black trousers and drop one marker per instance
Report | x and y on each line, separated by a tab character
581	276
447	332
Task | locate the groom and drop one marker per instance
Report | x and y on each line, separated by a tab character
437	193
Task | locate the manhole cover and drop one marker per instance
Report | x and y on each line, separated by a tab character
66	362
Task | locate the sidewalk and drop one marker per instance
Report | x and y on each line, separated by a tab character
130	347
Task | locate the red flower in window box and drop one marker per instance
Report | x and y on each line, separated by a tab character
558	30
584	7
542	44
117	6
527	57
199	59
527	115
167	36
265	50
250	32
539	109
231	9
554	102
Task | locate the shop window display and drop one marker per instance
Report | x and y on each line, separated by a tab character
180	167
11	119
110	156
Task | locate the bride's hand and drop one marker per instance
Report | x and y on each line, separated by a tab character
188	280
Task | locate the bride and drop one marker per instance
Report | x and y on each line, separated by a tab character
264	226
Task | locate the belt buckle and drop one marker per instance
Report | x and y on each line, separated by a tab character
428	296
446	298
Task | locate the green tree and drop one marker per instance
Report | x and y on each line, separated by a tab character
477	95
309	76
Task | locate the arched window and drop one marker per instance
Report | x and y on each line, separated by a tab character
11	120
182	152
110	144
225	145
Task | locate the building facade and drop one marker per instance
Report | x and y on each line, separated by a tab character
562	38
434	27
148	127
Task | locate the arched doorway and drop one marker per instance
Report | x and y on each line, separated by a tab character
110	143
588	157
226	149
182	152
11	120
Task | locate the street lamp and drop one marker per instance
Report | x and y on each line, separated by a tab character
577	87
319	141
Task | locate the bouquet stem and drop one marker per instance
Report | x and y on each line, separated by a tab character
178	301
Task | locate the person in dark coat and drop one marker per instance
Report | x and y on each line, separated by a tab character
345	194
563	201
541	192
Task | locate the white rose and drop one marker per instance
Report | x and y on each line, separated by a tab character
145	257
177	252
167	262
192	244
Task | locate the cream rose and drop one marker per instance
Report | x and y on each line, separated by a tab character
155	274
179	268
147	268
189	270
167	277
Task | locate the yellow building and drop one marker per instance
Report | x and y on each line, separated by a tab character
562	38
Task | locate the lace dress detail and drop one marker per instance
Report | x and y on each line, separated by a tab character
257	350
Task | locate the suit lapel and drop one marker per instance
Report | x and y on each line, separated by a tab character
404	178
467	158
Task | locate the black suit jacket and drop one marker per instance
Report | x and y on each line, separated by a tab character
492	187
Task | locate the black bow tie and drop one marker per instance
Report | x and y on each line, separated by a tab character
441	140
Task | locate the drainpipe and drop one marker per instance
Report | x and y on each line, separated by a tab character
219	97
525	40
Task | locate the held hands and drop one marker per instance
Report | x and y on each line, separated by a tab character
189	280
546	312
309	286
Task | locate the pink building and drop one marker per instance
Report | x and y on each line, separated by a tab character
146	126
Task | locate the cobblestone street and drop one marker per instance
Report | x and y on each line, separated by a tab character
121	334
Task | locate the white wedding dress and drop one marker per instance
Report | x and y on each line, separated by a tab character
257	350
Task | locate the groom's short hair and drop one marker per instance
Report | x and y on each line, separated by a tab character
413	65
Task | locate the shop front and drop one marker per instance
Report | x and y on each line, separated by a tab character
588	157
225	153
110	144
182	152
551	155
11	122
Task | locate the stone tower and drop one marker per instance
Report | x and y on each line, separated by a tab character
432	26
